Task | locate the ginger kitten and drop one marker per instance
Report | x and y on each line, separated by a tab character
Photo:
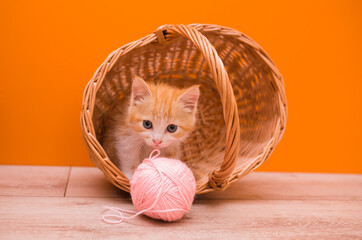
156	116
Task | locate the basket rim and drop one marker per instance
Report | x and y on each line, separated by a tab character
161	35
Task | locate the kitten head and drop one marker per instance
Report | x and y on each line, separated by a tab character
162	114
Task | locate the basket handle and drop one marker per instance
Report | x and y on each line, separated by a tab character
217	179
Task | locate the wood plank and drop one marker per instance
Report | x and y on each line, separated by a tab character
80	218
90	182
256	185
289	186
33	180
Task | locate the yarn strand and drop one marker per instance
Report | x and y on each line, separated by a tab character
118	215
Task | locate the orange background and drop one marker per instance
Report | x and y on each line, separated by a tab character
50	50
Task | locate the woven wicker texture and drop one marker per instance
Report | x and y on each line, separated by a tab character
242	108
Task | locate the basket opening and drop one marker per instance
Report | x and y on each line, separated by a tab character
179	63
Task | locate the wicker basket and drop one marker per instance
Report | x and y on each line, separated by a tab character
242	108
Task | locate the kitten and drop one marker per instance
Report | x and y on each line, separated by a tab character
156	116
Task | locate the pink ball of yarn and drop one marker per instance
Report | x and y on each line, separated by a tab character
163	188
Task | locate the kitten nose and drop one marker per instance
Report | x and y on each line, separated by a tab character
157	141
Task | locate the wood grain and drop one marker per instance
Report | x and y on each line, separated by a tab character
289	186
90	182
80	218
262	205
33	180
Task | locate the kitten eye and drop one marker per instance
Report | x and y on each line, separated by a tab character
171	128
147	124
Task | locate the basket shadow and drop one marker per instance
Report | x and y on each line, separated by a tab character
254	186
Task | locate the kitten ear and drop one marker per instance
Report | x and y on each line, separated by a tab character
140	90
189	98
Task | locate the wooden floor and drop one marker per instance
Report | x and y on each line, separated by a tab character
66	203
